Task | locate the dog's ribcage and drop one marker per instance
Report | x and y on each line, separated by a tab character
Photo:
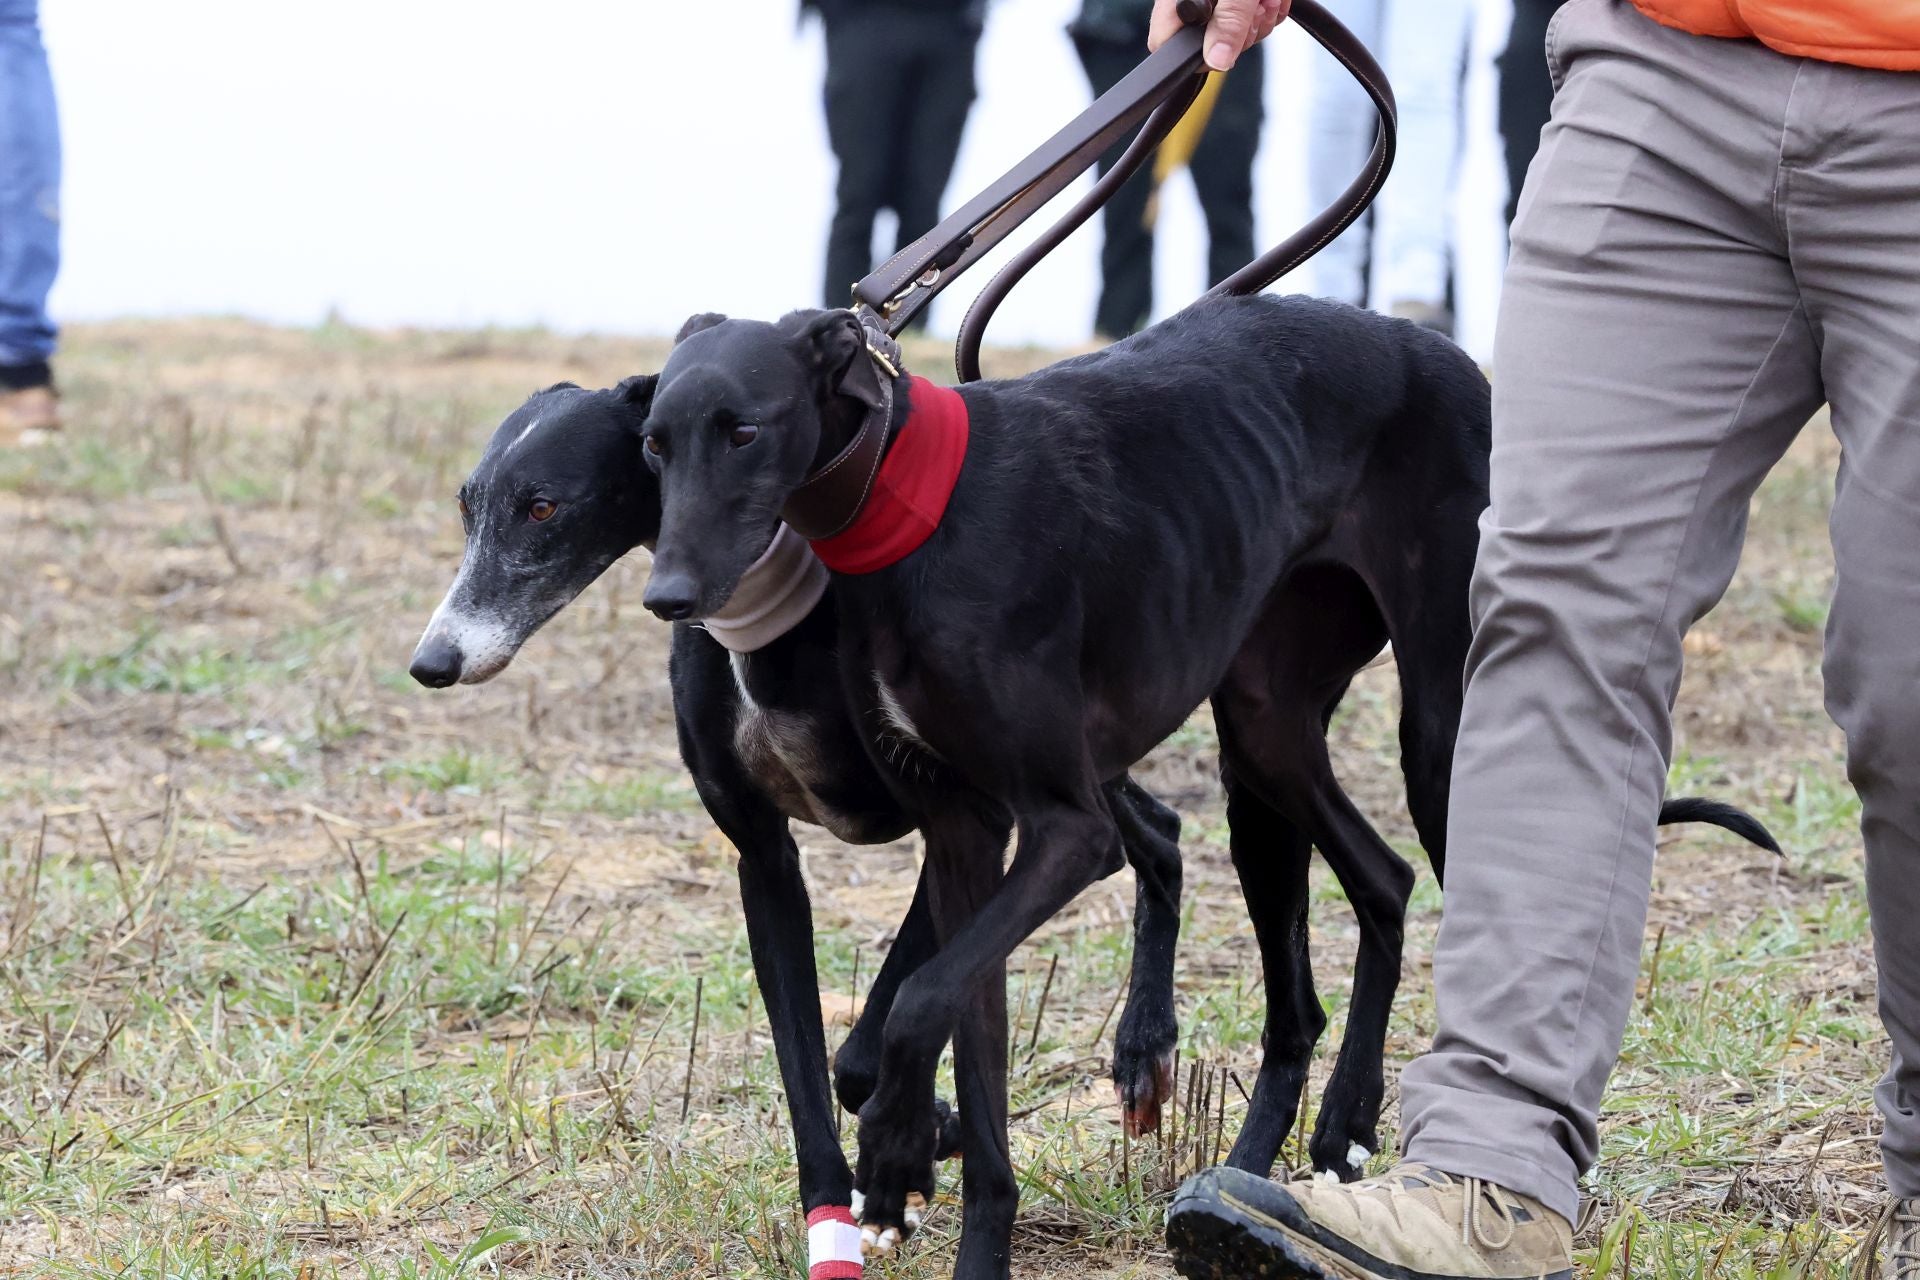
780	750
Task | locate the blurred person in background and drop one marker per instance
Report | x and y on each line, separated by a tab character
1217	141
29	227
1526	90
1399	256
899	86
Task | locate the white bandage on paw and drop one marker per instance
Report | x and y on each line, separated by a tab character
833	1243
1357	1156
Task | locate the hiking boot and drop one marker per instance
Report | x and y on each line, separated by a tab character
28	416
1898	1230
1411	1223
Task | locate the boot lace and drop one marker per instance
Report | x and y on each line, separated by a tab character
1473	1227
1482	1203
1898	1226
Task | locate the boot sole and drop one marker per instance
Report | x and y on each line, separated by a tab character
1213	1242
1214	1235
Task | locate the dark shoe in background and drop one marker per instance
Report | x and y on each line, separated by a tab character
29	407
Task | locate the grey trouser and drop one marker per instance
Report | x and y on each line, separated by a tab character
1714	239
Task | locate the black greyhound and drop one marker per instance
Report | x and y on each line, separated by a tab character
1243	503
560	494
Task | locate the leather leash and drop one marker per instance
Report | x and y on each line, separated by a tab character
900	288
1158	92
1162	86
1269	266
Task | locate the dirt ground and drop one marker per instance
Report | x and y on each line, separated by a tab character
310	971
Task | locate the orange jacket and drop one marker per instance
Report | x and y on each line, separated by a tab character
1865	33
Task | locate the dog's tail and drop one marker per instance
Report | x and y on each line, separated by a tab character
1716	814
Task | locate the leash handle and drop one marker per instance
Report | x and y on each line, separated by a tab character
1269	266
903	286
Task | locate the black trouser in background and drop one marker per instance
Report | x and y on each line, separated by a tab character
1526	90
899	85
1222	168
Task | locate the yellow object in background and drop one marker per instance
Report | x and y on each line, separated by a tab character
1180	145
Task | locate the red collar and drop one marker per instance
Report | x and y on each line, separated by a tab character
911	490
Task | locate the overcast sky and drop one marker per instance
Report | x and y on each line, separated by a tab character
589	166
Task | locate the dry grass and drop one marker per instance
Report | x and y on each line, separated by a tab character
307	971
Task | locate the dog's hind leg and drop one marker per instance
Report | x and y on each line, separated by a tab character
1286	762
1430	696
1423	600
1271	712
1271	855
1429	722
1144	1041
1378	883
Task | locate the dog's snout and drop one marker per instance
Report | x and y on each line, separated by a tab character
670	596
670	608
436	663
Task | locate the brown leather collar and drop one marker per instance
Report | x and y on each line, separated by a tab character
830	499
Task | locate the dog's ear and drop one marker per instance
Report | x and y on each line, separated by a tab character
637	391
694	324
834	338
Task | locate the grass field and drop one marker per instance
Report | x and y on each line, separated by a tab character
306	971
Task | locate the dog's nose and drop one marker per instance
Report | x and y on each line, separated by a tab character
669	597
436	663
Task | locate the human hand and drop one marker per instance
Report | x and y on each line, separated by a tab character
1236	26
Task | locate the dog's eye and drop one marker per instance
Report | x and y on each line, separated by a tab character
743	435
541	510
653	445
466	513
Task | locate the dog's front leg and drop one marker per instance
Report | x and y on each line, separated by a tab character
989	1193
779	917
962	881
1063	849
857	1063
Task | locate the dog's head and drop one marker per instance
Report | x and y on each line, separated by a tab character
560	494
743	412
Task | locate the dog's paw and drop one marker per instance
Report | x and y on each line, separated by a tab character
877	1241
1143	1047
1337	1158
895	1175
1143	1087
